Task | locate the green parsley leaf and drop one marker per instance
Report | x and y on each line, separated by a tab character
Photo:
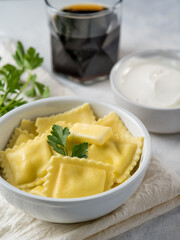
43	90
29	60
56	146
58	139
19	55
15	103
11	84
58	142
31	92
32	59
11	75
40	87
46	92
80	150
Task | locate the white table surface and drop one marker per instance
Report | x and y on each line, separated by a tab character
145	25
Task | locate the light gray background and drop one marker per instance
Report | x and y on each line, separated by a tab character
145	25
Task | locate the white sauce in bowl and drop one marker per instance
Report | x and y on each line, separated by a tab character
152	81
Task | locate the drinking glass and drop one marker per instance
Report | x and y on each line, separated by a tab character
84	37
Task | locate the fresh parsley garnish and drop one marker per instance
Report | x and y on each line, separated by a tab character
12	85
27	60
80	150
58	139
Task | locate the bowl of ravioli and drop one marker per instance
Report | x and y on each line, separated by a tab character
68	159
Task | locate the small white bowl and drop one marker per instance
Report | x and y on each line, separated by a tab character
157	120
73	209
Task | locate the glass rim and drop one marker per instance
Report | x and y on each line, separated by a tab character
84	15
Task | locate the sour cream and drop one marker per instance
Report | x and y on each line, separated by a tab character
152	81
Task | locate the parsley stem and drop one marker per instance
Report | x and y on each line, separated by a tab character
65	150
21	90
3	98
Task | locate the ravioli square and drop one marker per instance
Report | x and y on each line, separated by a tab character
82	113
63	124
36	190
73	177
114	121
18	137
122	153
29	126
27	162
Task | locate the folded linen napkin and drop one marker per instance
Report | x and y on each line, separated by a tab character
158	193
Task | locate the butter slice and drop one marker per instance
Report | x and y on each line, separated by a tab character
93	134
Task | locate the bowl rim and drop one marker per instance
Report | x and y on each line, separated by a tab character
141	168
126	58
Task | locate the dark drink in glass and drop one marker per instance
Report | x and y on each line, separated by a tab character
85	41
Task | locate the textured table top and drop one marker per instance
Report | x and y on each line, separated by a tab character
145	25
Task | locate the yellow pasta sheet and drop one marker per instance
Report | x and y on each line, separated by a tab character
82	113
25	165
122	153
36	190
73	177
113	120
29	126
19	136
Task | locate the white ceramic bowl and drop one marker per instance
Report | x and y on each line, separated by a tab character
156	120
77	209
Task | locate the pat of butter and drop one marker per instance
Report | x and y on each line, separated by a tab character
94	134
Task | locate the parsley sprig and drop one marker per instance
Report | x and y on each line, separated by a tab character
58	139
11	83
80	150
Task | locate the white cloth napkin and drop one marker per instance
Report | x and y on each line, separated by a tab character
158	193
